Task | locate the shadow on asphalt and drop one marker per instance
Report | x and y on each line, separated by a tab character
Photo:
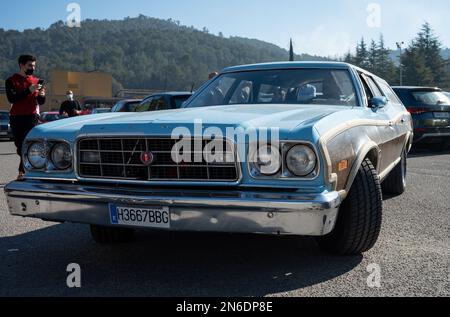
164	264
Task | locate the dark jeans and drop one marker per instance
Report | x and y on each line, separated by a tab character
20	127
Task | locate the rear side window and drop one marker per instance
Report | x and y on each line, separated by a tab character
144	106
388	92
373	86
159	103
131	107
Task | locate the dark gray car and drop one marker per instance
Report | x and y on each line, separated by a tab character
5	129
430	109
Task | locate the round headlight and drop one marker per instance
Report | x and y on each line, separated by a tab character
301	160
37	155
267	160
61	156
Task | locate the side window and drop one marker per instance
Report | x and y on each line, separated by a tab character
158	103
144	106
373	86
388	92
369	93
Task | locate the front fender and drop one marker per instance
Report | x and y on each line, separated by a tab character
344	153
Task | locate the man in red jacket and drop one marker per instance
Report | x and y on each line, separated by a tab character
25	95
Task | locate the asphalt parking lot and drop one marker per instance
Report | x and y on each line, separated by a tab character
412	255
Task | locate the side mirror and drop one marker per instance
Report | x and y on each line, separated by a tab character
378	102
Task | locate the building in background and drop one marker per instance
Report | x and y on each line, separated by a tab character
84	86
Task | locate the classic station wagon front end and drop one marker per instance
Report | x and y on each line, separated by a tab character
280	148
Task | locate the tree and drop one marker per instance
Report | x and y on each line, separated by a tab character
386	68
372	60
362	55
348	58
422	60
416	73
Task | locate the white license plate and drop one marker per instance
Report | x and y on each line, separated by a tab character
158	217
442	115
3	132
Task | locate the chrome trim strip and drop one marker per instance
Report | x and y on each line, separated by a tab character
389	169
324	139
191	210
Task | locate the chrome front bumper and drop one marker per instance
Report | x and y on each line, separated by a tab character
265	212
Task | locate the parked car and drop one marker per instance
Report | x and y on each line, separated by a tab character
5	129
51	116
89	104
303	149
101	110
430	109
127	105
163	101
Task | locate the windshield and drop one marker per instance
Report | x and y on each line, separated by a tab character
431	98
287	86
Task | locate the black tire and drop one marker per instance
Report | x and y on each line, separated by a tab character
108	235
395	183
360	216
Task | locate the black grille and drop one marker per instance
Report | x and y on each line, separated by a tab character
117	158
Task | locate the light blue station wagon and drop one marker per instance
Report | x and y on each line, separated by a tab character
300	148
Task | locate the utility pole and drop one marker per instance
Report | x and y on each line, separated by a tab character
291	52
399	46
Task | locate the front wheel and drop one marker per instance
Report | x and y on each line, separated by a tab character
360	216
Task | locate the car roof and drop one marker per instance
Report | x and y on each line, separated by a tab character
416	88
174	93
102	99
129	101
288	65
171	94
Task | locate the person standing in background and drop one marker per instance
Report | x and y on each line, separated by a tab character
70	107
25	93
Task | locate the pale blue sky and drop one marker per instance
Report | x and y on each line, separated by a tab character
322	27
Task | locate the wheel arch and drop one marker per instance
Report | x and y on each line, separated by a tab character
369	151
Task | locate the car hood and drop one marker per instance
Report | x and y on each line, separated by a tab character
285	117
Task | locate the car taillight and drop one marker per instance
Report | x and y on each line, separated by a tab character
417	110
